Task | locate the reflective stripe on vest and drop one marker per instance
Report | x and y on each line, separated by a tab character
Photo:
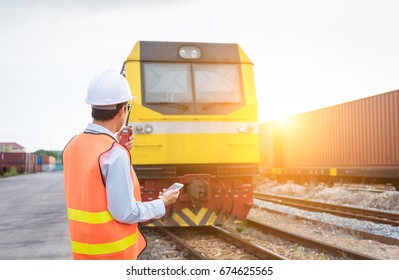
89	217
104	248
101	248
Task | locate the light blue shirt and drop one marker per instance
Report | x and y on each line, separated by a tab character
115	168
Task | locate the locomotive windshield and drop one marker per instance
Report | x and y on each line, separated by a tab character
181	88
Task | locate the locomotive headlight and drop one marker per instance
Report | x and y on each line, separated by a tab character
245	128
189	52
148	128
141	129
138	129
195	54
182	53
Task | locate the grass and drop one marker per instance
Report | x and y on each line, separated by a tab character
12	172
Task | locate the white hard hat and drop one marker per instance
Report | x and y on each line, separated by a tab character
108	88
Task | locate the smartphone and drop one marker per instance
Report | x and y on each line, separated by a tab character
175	186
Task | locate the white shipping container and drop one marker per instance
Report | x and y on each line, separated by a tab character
48	167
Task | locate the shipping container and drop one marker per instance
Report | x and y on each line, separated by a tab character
271	147
38	168
48	167
31	163
48	160
58	165
27	163
358	138
18	160
39	160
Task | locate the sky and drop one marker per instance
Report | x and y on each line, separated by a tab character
307	54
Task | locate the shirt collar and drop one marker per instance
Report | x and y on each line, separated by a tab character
97	129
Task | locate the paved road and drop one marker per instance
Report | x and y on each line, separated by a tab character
33	223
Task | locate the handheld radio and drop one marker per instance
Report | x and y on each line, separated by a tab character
127	131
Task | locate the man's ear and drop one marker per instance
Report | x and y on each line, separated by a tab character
121	110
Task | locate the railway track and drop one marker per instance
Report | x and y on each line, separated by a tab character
322	246
213	242
203	243
339	210
161	246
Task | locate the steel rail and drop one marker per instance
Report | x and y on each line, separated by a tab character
339	210
252	248
197	255
332	249
260	251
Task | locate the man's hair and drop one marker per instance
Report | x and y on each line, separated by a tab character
106	115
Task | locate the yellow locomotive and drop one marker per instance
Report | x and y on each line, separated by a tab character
195	122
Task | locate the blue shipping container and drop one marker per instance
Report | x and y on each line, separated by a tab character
39	160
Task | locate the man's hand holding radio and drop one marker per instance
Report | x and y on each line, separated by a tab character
129	144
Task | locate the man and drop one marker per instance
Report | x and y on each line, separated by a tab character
102	190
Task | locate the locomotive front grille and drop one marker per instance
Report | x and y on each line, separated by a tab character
237	170
155	171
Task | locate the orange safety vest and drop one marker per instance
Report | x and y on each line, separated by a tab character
95	234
